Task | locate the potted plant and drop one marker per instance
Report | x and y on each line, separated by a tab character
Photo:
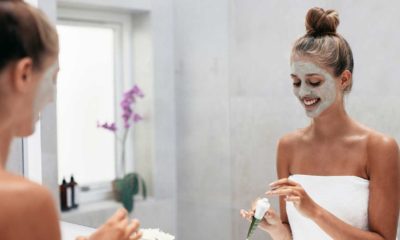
125	189
126	186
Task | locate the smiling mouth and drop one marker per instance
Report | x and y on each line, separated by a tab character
309	102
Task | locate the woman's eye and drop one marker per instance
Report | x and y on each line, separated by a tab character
297	84
315	84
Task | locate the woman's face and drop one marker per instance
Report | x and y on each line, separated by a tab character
314	86
41	93
46	89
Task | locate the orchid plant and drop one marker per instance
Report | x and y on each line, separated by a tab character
128	185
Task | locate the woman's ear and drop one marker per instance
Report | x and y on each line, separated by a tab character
345	79
22	78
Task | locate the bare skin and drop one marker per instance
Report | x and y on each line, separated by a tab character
334	144
27	209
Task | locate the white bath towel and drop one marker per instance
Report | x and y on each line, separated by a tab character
344	196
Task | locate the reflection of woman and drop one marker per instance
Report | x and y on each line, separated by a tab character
28	70
338	179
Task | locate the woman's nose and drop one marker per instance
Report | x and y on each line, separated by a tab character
304	90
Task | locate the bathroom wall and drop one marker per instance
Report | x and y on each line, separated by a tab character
234	97
203	119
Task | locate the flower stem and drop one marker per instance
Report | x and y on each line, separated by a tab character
122	166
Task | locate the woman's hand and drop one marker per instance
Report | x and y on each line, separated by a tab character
270	220
117	227
294	192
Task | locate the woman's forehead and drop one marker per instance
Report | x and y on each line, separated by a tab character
308	66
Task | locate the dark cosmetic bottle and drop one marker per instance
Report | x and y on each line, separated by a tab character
74	192
64	195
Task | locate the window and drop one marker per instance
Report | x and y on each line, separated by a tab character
92	76
86	95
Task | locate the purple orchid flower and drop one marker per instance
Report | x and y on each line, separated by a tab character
129	117
126	104
107	126
136	118
137	91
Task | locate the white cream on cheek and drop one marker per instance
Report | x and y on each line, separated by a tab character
46	90
326	92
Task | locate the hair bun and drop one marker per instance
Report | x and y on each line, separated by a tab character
320	22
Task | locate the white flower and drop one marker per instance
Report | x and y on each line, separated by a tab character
155	234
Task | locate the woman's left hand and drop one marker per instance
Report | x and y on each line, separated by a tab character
294	192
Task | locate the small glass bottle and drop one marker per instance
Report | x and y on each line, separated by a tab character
64	195
74	192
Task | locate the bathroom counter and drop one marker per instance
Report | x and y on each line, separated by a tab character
70	231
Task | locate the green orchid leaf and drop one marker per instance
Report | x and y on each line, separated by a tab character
135	184
127	187
126	197
144	189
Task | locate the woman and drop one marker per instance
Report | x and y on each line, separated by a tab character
337	178
28	72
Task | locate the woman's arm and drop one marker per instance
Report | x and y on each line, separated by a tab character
383	168
281	232
284	150
277	226
384	171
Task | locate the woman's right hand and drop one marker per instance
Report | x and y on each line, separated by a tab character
269	222
117	227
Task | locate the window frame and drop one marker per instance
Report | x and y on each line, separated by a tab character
121	23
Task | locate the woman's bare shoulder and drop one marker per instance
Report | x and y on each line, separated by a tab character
382	151
382	145
290	139
285	150
378	142
27	208
13	186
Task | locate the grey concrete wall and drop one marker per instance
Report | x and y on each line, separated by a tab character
202	120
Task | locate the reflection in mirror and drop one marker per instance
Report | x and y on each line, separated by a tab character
218	79
219	69
111	51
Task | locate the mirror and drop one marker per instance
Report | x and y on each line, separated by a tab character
217	98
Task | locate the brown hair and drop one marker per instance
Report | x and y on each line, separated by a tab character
25	32
322	43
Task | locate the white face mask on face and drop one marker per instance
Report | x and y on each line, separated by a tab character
315	99
46	91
